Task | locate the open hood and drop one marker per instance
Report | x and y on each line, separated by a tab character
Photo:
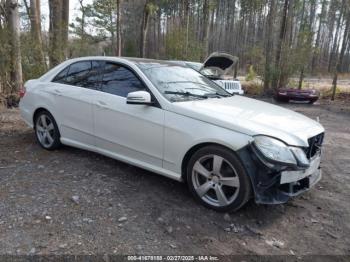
221	62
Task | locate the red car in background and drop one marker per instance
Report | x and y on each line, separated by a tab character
291	94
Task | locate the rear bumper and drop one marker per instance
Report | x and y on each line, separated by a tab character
26	114
273	186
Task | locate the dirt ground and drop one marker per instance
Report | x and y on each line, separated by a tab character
75	202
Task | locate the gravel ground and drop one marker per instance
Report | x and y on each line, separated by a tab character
75	202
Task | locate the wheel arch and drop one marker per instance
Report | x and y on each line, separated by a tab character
41	109
36	112
55	136
195	148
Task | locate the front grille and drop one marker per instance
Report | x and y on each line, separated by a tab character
231	86
315	144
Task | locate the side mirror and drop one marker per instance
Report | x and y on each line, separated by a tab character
139	98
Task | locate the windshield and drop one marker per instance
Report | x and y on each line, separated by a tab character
179	83
195	66
204	71
210	72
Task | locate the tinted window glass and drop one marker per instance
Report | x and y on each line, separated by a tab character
61	77
118	80
94	78
84	74
78	72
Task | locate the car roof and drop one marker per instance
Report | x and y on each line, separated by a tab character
140	62
182	62
146	63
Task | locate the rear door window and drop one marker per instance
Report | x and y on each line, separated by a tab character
78	74
83	74
61	77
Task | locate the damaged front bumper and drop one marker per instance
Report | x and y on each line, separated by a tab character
275	185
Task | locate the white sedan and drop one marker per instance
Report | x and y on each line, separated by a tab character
172	120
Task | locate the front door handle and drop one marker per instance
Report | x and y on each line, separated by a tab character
101	104
57	92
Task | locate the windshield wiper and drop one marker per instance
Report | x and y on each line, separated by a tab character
185	94
218	94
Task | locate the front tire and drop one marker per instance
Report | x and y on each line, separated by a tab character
46	131
217	179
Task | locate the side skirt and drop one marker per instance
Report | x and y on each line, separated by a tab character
140	164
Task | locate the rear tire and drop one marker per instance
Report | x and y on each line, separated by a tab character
217	179
46	131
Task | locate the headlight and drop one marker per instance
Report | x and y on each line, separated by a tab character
274	150
300	156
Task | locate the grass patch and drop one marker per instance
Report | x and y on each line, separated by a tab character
252	88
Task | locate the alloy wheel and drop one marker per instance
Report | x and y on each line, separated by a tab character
215	180
45	131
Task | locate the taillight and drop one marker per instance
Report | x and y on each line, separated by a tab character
22	92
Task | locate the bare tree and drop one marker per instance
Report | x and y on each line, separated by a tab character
282	37
16	63
55	48
33	12
119	26
149	9
64	27
82	20
269	45
318	37
205	29
336	40
342	52
58	31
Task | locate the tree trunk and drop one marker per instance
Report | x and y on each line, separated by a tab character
331	18
342	52
185	5
144	28
187	14
301	78
112	31
335	41
55	47
159	32
309	40
64	27
318	37
205	29
119	34
82	24
58	31
269	46
232	44
277	82
35	28
14	39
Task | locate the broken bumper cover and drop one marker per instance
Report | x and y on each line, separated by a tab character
278	185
